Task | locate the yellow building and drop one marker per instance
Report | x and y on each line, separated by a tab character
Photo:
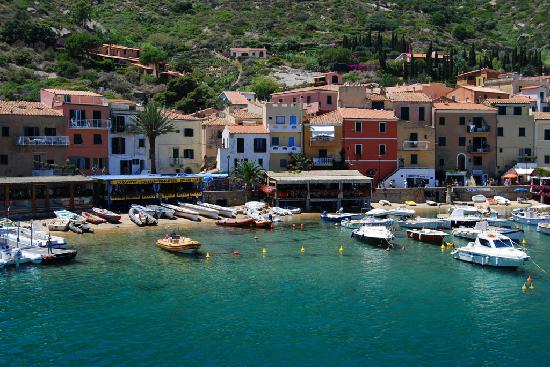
323	139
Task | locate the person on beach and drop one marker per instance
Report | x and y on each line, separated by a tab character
49	244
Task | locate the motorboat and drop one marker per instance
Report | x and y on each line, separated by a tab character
427	235
80	228
293	209
58	224
161	212
479	198
107	215
530	216
183	212
543	227
368	221
431	203
339	216
401	213
176	243
419	223
377	213
384	202
481	227
378	236
240	223
224	211
500	222
94	219
27	237
204	211
65	214
501	200
280	211
460	217
492	250
464	210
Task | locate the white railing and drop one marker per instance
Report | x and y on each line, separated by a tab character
43	140
89	124
322	161
416	145
283	149
322	138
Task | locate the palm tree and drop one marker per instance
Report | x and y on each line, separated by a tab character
249	174
153	122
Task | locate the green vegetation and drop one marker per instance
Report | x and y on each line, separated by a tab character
248	174
263	87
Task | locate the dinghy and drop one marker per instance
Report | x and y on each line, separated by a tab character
224	211
94	219
80	228
183	212
162	212
107	215
204	211
137	216
58	224
240	223
427	235
479	198
65	214
431	203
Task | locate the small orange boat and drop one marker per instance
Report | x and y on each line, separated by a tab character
240	223
176	243
94	219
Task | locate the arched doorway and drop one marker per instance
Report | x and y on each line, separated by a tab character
461	162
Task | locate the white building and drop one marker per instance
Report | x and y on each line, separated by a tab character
243	143
537	93
236	99
127	150
248	52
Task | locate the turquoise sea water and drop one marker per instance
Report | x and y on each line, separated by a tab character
125	302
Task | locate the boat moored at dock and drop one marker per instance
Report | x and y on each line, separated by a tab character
377	236
492	250
427	235
176	243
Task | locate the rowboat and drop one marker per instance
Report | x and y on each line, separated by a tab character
94	219
183	212
204	211
175	243
58	224
107	215
427	235
224	211
65	214
240	223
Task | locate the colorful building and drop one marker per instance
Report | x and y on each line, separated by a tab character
473	94
477	77
539	95
87	120
316	100
542	138
323	139
370	141
237	100
250	143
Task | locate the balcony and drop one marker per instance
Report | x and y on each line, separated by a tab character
323	161
285	128
285	150
416	145
478	148
478	128
90	124
56	141
322	138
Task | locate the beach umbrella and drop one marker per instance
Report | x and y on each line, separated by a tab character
520	189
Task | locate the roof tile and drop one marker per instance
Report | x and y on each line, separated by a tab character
409	97
330	118
363	113
235	97
247	129
541	115
72	92
462	106
21	108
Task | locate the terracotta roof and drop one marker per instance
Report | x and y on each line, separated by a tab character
27	109
245	114
487	70
541	115
217	121
377	97
235	97
409	97
512	100
482	89
363	113
176	115
329	88
121	101
72	92
532	87
463	106
247	129
330	118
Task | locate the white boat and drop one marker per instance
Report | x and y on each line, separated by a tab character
205	212
460	218
377	213
464	210
183	212
529	216
431	203
378	236
254	214
65	214
479	198
483	227
401	212
501	200
255	205
501	222
431	223
293	209
224	211
25	237
160	211
543	227
141	217
339	216
368	221
384	202
491	250
280	211
58	224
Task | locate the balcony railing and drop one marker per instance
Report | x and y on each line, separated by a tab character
415	145
478	148
323	161
471	128
58	141
322	138
283	149
89	124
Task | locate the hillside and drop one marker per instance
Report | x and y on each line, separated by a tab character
194	34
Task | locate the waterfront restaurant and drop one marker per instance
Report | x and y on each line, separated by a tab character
319	190
124	190
40	195
540	188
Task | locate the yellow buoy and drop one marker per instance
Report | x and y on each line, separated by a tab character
449	244
207	255
442	247
341	249
532	286
524	288
264	251
523	242
302	249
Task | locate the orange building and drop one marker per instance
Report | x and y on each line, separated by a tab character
473	94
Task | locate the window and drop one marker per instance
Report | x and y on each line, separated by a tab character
441	162
175	152
96	115
547	159
220	134
478	161
275	141
404	113
260	162
50	131
500	131
484	242
291	141
541	96
118	145
293	120
358	149
546	134
279	119
329	99
461	141
31	131
77	139
293	99
502	110
67	99
517	111
98	163
240	145
382	149
141	143
283	163
5	131
97	139
521	131
308	99
377	105
188	132
442	121
189	153
358	127
462	120
421	113
260	145
413	137
3	159
382	127
442	141
414	159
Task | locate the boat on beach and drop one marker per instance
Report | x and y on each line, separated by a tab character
65	214
368	221
293	209
492	250
339	216
240	223
140	217
427	235
223	211
431	203
160	211
204	211
80	228
94	219
183	212
58	224
107	215
479	198
378	236
176	243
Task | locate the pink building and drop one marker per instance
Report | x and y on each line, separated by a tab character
316	100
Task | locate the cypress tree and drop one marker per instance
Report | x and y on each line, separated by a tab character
472	57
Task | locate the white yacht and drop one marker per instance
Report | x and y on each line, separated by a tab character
532	215
368	221
481	227
419	223
492	250
378	236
